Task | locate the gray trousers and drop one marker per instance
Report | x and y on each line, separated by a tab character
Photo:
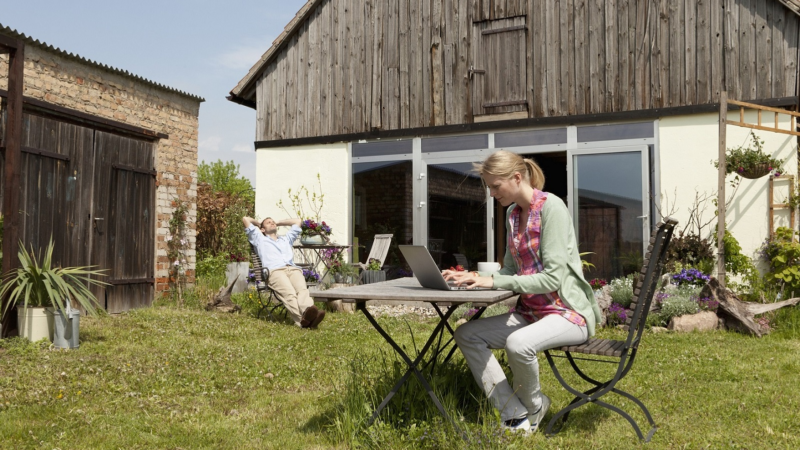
522	341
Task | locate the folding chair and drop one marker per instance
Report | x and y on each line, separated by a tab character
272	302
622	353
379	250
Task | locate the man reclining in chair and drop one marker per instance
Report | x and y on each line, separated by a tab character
285	278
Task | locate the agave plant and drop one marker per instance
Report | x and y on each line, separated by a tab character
36	283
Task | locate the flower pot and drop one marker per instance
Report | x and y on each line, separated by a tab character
64	327
374	276
756	171
312	240
32	323
242	269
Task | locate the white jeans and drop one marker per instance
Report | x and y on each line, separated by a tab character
521	341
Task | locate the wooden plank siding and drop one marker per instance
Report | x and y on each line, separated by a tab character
361	65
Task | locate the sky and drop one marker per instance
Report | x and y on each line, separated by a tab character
201	47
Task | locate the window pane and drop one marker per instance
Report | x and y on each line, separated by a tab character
454	143
615	132
531	137
382	195
609	195
383	148
456	215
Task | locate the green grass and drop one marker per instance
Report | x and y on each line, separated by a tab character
169	378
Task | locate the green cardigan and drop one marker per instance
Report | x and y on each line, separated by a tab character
562	272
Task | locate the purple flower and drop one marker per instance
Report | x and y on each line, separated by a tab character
616	314
471	312
311	275
707	304
691	277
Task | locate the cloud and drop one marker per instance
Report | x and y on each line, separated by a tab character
243	148
209	144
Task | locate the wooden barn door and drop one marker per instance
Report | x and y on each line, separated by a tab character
54	193
499	70
123	226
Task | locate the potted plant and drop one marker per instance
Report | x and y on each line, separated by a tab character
314	233
750	161
37	285
373	272
311	276
343	272
238	268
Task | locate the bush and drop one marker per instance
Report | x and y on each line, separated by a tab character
682	301
783	254
690	250
622	290
212	268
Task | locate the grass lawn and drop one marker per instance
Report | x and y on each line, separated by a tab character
182	378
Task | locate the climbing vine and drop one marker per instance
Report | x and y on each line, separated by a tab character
177	243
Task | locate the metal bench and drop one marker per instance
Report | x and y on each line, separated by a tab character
272	303
622	353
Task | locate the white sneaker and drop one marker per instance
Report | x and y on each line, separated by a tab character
536	418
517	425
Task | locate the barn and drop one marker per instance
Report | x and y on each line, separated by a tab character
96	158
391	101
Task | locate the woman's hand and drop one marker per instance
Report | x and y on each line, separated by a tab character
469	279
473	282
457	275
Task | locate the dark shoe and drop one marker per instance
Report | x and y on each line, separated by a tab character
320	316
309	315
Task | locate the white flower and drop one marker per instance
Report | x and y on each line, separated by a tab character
183	242
169	238
177	263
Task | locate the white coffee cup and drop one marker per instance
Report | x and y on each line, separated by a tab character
488	266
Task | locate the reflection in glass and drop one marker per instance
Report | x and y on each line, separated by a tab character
609	195
382	197
456	215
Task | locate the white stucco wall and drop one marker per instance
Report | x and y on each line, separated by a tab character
689	146
279	169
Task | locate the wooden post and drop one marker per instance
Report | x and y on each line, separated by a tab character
723	118
12	169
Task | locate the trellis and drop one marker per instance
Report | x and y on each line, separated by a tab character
724	105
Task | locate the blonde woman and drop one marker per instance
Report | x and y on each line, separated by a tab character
556	306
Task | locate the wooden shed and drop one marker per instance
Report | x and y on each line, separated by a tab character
610	96
94	157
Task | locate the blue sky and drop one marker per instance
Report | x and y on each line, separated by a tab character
202	47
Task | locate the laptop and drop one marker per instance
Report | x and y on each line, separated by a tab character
427	272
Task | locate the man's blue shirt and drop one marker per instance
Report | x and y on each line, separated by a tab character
274	254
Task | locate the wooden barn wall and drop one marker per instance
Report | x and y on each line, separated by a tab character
358	65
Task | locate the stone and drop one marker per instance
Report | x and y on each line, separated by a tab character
460	322
603	297
702	321
658	330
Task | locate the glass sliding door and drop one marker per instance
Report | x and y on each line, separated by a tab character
610	197
457	216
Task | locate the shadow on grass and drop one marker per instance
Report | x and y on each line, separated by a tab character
410	418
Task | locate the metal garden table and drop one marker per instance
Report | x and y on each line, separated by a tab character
315	256
406	290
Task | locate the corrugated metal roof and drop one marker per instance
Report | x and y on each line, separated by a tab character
35	42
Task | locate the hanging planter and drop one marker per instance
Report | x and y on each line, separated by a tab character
750	161
756	171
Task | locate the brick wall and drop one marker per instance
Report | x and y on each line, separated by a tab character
79	85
